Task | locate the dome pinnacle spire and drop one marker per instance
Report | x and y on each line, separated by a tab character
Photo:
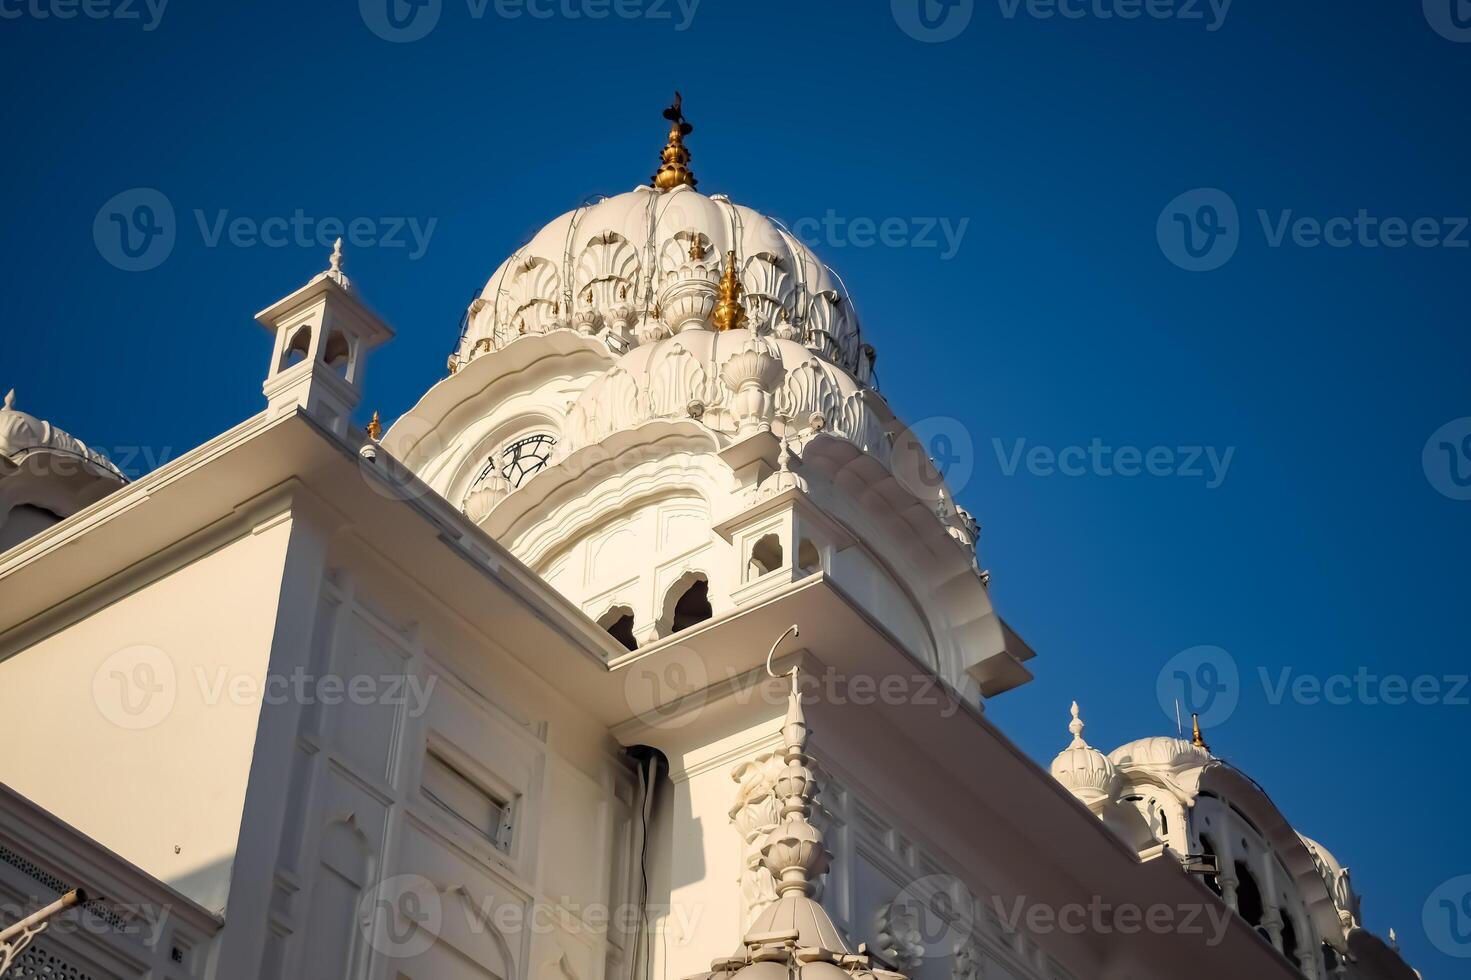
334	266
729	313
794	851
1076	727
674	169
1198	740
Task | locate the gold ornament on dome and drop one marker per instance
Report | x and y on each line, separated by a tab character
729	313
674	168
1198	740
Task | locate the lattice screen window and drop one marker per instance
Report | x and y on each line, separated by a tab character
36	961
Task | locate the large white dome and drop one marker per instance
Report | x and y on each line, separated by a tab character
662	402
605	266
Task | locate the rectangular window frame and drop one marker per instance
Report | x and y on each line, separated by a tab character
503	836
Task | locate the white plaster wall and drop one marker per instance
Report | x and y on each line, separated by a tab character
535	910
702	851
138	720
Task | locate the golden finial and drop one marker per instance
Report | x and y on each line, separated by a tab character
697	248
674	168
729	313
1198	741
375	428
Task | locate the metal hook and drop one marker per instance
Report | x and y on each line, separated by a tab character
791	631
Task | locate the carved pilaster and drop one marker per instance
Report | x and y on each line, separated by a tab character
756	811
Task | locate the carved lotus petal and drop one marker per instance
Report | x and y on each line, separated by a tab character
752	364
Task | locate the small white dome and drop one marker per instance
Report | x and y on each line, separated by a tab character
22	434
1083	770
1160	751
1336	877
46	475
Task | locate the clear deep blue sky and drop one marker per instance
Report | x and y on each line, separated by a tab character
1059	320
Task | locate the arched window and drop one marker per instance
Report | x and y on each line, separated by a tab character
1159	820
693	606
765	556
1289	934
1208	848
337	353
297	348
808	559
618	621
1248	895
23	521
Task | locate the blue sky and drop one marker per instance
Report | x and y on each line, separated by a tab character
1068	156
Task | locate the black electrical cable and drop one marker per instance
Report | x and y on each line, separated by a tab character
643	865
